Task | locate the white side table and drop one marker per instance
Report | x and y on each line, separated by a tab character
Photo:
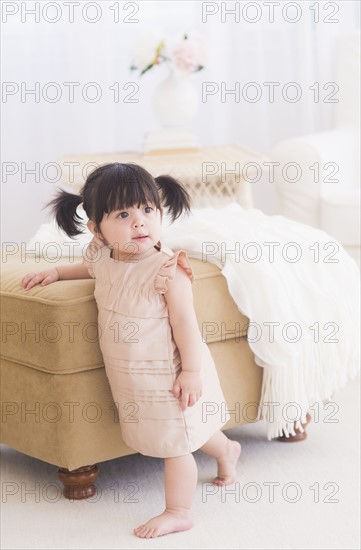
213	176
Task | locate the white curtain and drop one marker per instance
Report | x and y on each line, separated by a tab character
302	52
39	53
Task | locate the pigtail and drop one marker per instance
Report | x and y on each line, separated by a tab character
64	207
173	196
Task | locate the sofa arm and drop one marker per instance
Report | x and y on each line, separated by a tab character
314	166
340	215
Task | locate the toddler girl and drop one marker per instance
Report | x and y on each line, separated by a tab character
159	370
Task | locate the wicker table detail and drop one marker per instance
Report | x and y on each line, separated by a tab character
213	176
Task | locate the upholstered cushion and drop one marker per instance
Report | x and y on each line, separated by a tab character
46	327
71	420
57	403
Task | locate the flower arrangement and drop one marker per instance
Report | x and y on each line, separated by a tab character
187	54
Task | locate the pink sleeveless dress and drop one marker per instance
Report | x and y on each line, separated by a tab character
141	358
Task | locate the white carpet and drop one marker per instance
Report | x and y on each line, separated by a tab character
130	490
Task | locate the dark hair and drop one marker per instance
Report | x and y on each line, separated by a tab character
116	186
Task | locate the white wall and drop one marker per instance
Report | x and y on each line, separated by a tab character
43	52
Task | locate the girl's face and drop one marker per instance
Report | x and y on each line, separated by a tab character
133	230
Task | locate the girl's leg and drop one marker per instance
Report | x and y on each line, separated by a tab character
226	452
180	477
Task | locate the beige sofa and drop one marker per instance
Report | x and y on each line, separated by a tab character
56	401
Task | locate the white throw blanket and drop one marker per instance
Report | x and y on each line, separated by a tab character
300	290
304	314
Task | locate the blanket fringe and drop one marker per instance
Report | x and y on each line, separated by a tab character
291	391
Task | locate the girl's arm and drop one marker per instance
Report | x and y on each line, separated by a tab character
75	271
183	321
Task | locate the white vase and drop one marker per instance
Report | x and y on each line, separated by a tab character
175	100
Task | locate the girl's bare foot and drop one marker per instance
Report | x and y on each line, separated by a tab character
227	464
168	522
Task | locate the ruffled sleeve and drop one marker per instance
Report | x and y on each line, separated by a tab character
92	254
168	270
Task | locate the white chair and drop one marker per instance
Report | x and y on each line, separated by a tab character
326	166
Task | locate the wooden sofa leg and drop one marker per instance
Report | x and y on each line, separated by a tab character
299	436
79	484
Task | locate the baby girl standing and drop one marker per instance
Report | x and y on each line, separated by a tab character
160	372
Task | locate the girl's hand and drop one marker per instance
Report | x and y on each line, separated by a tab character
43	277
188	388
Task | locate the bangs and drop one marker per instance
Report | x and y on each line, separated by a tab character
123	186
